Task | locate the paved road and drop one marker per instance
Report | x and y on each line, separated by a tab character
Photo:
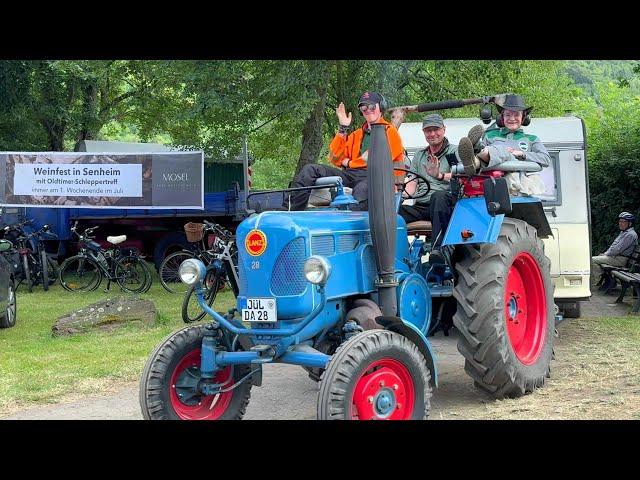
287	393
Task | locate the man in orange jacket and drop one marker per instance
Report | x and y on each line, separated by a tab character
350	152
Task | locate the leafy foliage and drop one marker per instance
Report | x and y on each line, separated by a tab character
287	107
613	138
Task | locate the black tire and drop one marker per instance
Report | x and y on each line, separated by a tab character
53	270
497	364
350	364
131	274
149	276
364	313
45	269
191	310
158	400
168	272
8	318
80	274
171	242
570	310
27	273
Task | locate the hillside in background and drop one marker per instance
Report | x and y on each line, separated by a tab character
586	73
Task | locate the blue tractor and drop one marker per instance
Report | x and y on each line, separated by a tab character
345	295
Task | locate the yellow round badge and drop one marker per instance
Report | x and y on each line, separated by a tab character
255	243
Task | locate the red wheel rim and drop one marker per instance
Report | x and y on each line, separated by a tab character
210	407
525	308
384	391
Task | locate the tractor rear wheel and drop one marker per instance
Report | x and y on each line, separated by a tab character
505	311
169	383
375	375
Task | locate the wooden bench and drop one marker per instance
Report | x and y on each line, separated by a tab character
626	279
607	281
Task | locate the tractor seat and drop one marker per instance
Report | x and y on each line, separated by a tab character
322	196
421	227
117	240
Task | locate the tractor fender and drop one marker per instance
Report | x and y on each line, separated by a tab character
530	210
396	324
470	215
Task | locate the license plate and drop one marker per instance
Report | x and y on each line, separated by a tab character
260	310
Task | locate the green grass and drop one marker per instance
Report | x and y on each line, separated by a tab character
37	368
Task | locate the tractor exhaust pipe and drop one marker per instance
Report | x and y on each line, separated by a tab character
383	218
447	104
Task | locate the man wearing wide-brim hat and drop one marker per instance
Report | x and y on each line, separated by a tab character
505	141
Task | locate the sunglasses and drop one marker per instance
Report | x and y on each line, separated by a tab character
368	108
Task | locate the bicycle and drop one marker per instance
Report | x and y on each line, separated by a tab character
197	233
85	271
36	266
222	271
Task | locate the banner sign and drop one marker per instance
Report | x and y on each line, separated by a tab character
103	180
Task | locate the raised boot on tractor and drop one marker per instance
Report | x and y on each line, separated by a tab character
345	295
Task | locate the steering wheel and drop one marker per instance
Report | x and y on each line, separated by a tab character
412	176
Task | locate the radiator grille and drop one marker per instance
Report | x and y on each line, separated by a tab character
348	242
323	245
288	272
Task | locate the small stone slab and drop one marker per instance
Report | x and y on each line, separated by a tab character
106	315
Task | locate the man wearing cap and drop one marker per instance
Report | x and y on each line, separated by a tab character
621	249
434	163
349	152
504	141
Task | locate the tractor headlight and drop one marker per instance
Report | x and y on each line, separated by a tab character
317	270
191	271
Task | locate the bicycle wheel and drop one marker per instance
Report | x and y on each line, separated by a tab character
149	276
191	310
169	277
131	274
44	268
80	274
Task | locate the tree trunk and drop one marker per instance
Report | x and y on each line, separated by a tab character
314	125
91	124
55	135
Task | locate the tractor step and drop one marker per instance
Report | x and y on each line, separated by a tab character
265	353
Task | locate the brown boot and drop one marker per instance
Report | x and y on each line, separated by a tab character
475	134
465	151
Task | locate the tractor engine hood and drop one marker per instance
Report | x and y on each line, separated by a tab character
273	247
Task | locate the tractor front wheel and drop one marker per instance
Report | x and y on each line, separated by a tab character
505	311
170	380
375	375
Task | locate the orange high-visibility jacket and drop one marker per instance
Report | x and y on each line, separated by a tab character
349	147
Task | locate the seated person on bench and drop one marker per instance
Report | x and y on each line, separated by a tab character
434	163
505	142
349	152
620	250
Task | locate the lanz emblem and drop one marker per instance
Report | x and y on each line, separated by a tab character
255	243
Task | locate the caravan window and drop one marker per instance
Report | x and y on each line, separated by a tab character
550	176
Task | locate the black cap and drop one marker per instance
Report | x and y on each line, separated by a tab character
370	98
